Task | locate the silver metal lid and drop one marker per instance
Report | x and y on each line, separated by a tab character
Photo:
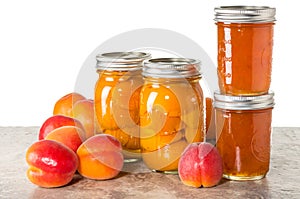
244	102
245	14
171	68
121	61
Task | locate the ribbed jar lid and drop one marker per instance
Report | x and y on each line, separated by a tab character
171	67
245	14
121	61
231	102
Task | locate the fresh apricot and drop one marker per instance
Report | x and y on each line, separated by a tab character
51	164
83	110
100	157
71	136
200	165
64	105
57	121
208	111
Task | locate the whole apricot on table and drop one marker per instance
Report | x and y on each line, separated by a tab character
83	110
200	165
51	164
100	157
57	121
70	136
64	105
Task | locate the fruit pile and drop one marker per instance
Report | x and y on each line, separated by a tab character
70	141
67	144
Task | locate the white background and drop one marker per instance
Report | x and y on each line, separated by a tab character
43	45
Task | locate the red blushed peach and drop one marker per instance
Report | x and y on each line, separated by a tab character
57	121
64	105
100	157
70	136
83	110
200	165
51	164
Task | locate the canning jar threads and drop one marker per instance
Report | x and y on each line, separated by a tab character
245	43
171	111
117	96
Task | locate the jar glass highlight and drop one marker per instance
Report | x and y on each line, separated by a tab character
243	128
117	96
171	111
245	43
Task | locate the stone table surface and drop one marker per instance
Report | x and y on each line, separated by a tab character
136	181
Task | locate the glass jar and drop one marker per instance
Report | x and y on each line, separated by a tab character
245	43
117	95
243	132
171	111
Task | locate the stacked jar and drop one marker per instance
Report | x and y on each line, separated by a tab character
243	106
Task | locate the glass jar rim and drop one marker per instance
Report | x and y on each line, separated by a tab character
245	14
121	61
255	102
171	68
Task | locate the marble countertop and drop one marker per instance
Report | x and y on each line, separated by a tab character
136	181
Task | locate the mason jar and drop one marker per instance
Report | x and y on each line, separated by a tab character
171	111
243	133
245	45
117	96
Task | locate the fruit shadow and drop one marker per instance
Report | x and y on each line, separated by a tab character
223	181
122	174
77	177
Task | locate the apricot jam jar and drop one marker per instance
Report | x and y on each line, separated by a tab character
117	96
243	134
245	43
171	111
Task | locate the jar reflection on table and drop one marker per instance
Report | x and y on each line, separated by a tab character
245	44
243	127
117	96
171	111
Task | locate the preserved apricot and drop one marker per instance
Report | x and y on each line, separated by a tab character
171	111
117	97
243	126
245	43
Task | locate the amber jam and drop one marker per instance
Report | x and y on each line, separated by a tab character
171	111
117	96
245	43
243	127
